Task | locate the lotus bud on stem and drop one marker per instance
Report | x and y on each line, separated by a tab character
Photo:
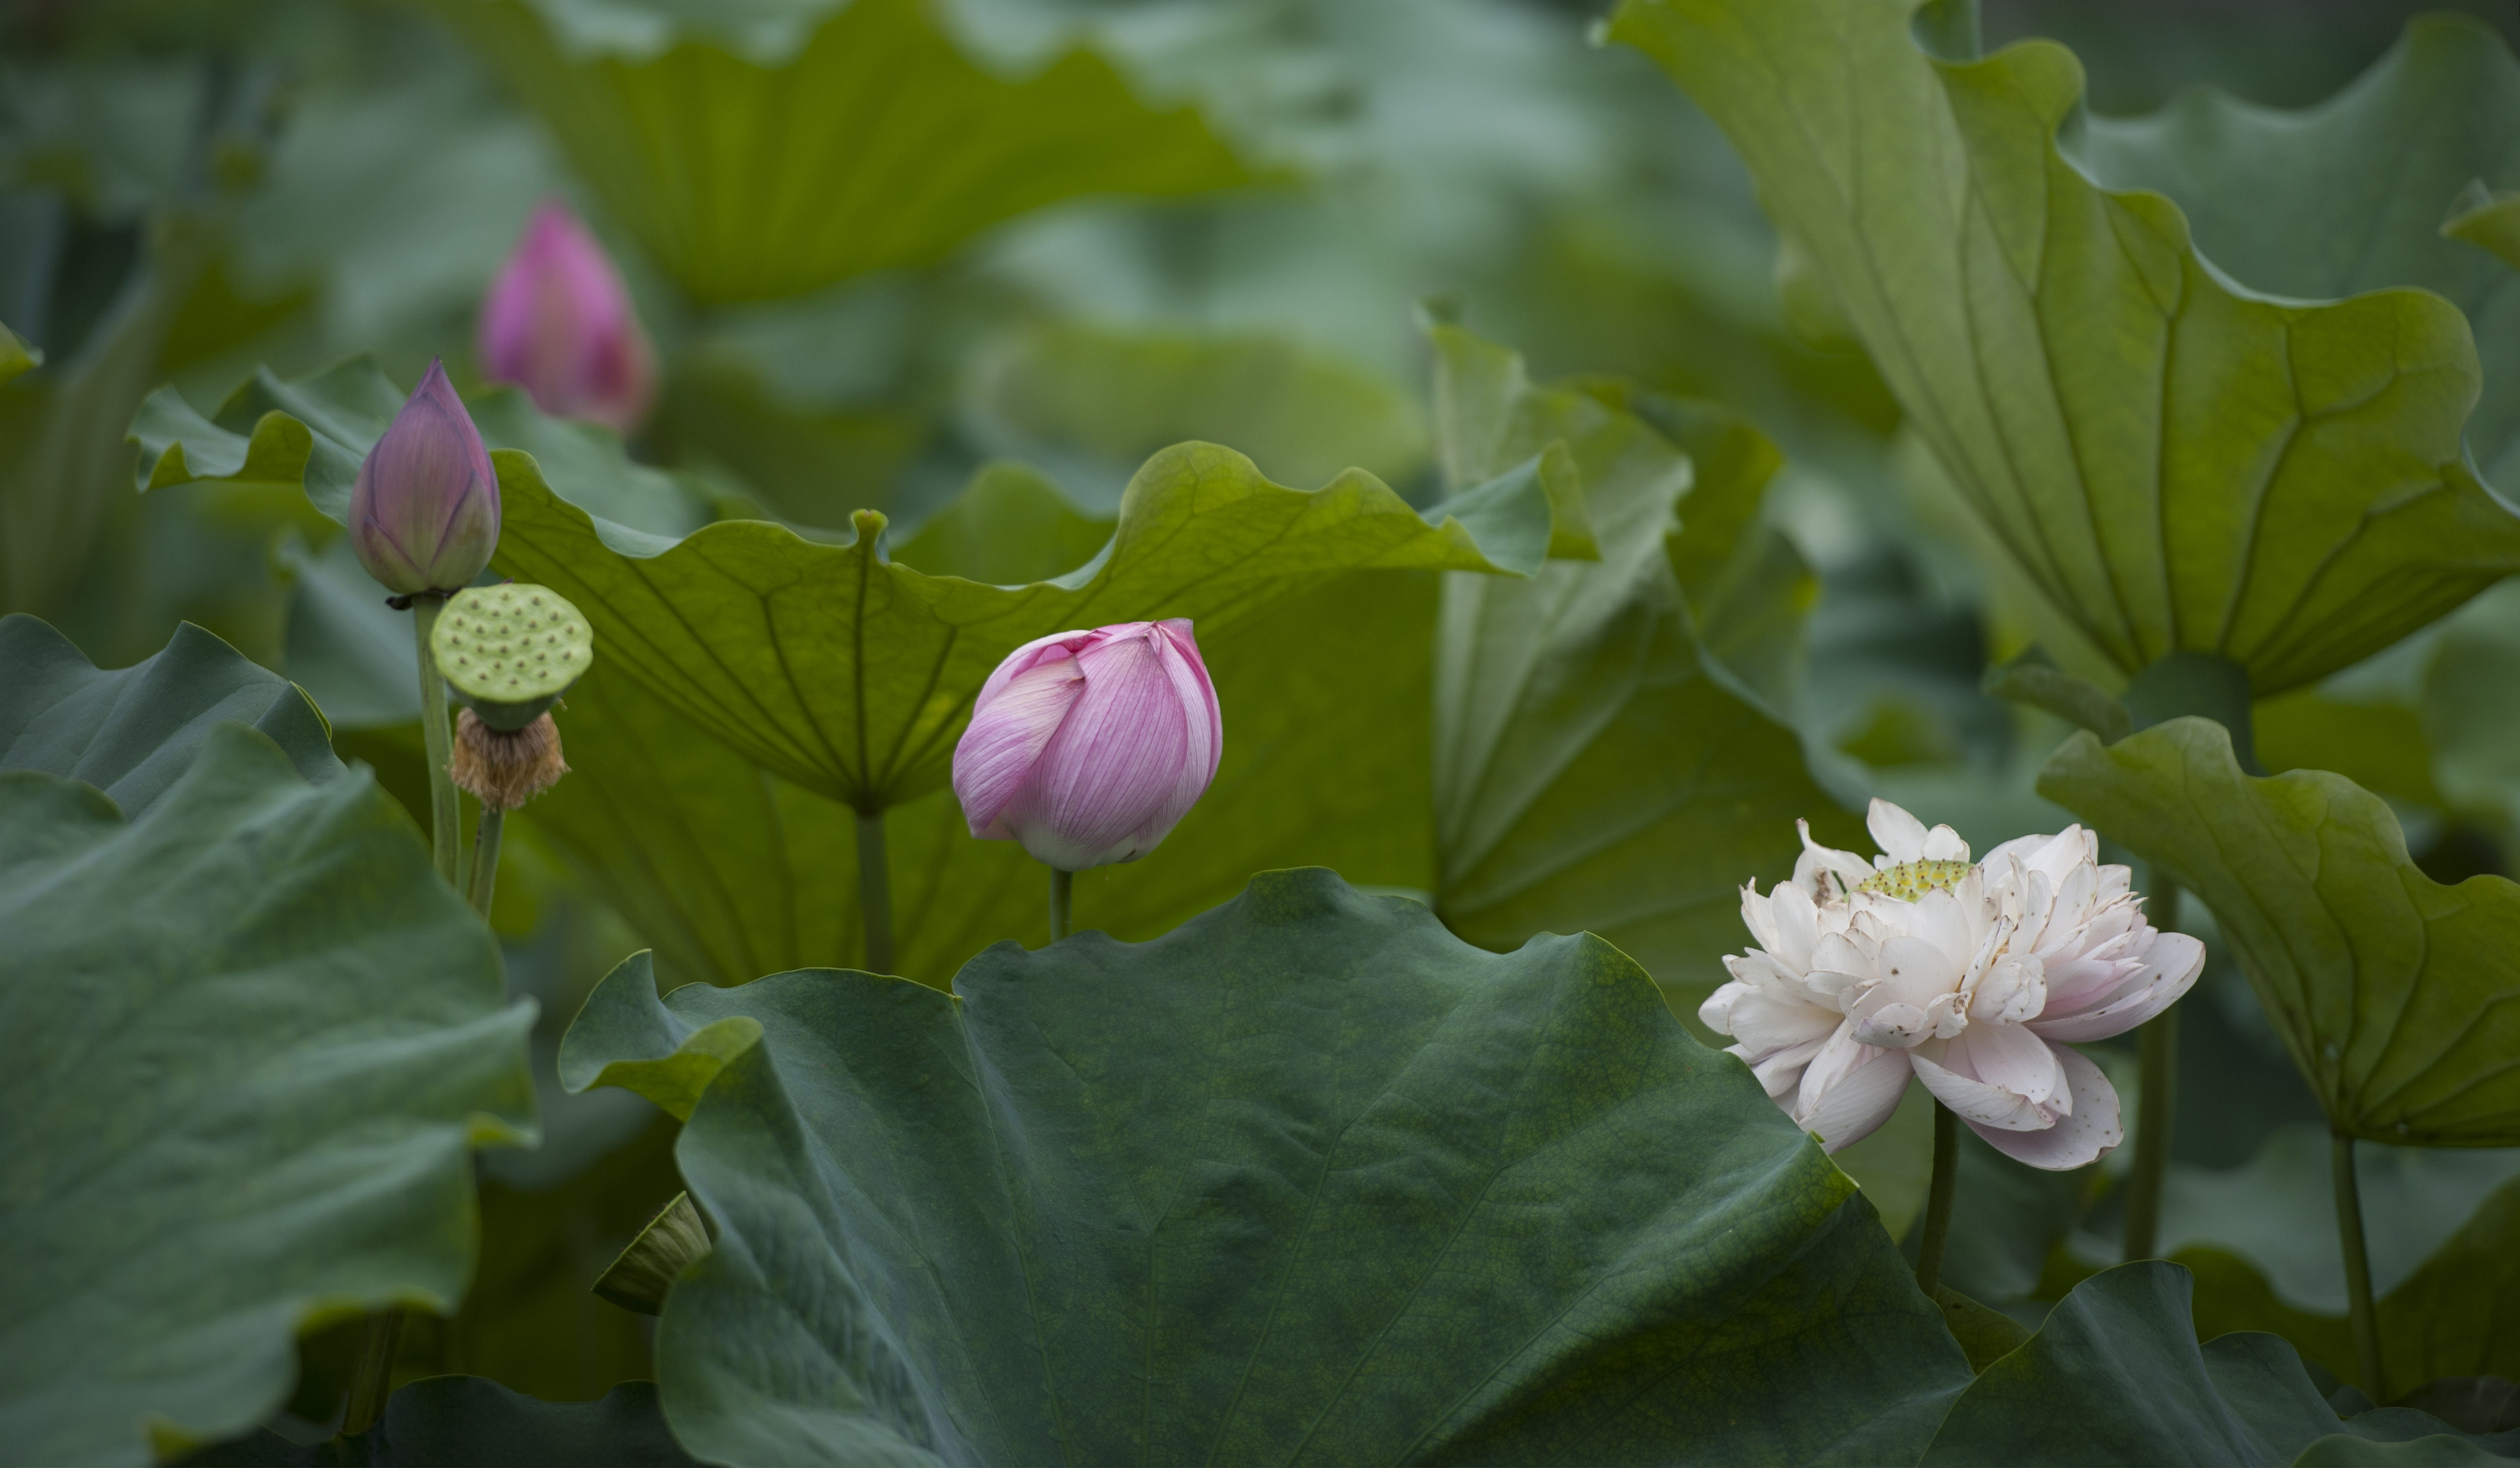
510	651
1089	747
424	519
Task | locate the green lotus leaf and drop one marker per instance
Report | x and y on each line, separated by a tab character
314	431
2175	462
1307	1177
471	1419
2395	994
1594	768
252	1042
2115	1375
876	143
732	872
133	731
2348	196
851	676
1012	526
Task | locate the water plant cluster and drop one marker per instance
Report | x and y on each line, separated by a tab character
1026	731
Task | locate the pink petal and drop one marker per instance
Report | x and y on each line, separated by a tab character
1012	722
1976	1101
2087	1134
2013	1059
1117	766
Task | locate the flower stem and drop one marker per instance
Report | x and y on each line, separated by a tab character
2358	1273
445	816
2156	1104
1938	1200
1062	891
485	859
372	1377
874	892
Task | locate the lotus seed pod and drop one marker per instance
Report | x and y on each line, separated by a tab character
509	652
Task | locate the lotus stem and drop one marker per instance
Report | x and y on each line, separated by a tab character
372	1378
1063	893
1938	1200
2358	1273
486	858
445	813
2156	1105
874	892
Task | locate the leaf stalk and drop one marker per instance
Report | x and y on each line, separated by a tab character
1062	894
2156	1105
2358	1273
874	892
1938	1200
445	813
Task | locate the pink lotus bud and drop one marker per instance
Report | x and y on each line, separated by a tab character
424	511
559	324
1088	747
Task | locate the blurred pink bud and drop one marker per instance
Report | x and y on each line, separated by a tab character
424	510
1088	747
559	324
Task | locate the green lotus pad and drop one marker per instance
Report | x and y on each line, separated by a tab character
511	650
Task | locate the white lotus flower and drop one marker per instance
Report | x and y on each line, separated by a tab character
1972	977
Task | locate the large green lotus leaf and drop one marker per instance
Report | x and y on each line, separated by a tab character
2115	1375
732	872
2349	195
852	675
131	733
1306	1179
1594	768
877	143
2174	461
471	1420
251	1043
2398	997
1119	396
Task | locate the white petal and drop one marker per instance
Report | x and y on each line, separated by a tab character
2176	959
2085	1136
1767	1025
1797	925
1756	917
1847	867
1845	954
1943	844
1901	836
2013	1059
1914	971
1976	1101
1782	1073
1716	1013
1859	1101
1939	920
1888	1025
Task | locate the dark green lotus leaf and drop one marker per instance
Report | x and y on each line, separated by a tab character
2115	1376
462	1421
251	1043
732	872
1594	768
131	733
2171	461
1306	1178
872	143
2396	994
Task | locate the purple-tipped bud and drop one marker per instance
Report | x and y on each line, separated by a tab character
1088	747
559	323
425	511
